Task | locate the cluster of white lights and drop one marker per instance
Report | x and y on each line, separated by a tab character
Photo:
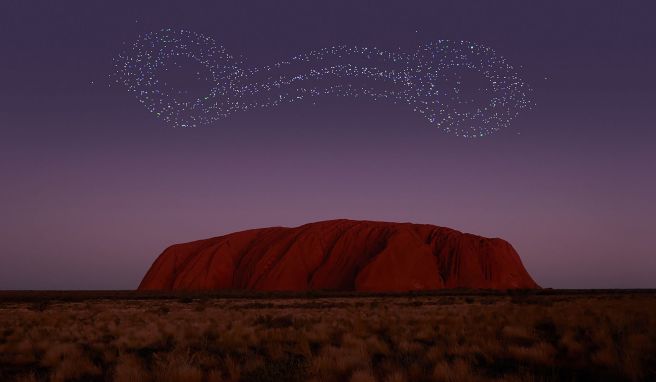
429	80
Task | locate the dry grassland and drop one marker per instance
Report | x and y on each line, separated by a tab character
577	337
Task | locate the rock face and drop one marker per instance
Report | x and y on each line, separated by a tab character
340	255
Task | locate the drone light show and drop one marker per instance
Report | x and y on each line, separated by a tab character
434	81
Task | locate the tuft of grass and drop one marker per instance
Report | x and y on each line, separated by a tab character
177	367
130	368
458	370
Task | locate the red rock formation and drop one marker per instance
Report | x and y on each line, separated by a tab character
340	255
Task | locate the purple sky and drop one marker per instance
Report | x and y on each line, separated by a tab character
93	187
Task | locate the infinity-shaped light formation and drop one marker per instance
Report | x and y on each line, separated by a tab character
432	81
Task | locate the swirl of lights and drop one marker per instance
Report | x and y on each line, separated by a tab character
429	80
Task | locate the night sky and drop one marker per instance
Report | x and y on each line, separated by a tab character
93	186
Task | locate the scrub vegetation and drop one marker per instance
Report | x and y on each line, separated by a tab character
528	336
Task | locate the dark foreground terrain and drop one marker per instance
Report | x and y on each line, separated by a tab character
445	336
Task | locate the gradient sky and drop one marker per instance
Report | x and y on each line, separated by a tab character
93	187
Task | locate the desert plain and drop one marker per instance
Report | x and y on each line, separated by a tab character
538	335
